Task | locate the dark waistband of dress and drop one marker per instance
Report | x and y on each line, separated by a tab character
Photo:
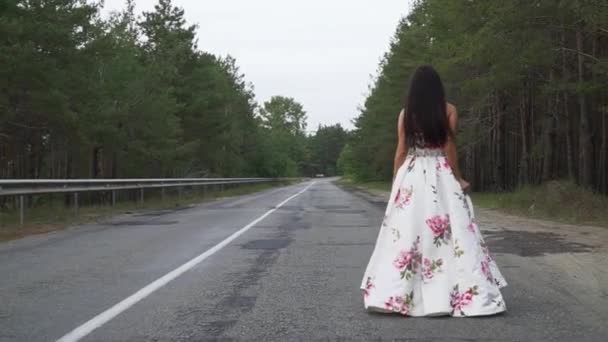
426	152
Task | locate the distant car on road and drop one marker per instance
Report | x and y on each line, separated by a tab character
319	175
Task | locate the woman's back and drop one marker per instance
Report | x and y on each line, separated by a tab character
426	109
419	140
430	258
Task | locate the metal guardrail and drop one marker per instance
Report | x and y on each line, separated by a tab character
24	187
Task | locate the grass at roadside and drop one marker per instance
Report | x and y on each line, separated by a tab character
374	185
56	216
557	200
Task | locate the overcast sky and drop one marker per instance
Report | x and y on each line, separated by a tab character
320	52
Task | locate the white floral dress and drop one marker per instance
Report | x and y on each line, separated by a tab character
430	258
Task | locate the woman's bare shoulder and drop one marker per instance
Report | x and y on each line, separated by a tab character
450	109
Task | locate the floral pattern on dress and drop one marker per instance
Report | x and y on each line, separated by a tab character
411	164
403	197
396	234
472	227
442	164
430	267
368	287
486	252
426	239
458	252
465	204
408	261
441	229
400	304
460	300
485	269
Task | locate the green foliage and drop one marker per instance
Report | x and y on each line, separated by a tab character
284	114
283	149
511	68
131	97
325	149
346	162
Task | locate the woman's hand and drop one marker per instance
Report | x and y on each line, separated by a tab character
464	185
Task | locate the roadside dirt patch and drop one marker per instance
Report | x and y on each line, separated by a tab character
525	243
13	233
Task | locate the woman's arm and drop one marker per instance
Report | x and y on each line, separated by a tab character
401	152
450	146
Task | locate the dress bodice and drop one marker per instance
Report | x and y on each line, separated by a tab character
421	144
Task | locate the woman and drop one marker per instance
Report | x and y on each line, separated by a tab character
430	258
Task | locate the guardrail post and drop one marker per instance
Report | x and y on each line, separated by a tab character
113	198
76	203
21	210
141	196
162	194
179	193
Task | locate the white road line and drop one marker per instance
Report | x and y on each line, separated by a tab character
117	309
251	198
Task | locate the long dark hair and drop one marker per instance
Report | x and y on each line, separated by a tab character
425	109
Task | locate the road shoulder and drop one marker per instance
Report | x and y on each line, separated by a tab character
570	258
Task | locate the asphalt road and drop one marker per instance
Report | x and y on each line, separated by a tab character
294	275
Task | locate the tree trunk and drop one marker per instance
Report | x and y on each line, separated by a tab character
566	112
497	144
97	162
602	167
68	173
532	175
114	165
548	134
523	166
584	145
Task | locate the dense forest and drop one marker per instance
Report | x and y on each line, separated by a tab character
529	79
87	96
